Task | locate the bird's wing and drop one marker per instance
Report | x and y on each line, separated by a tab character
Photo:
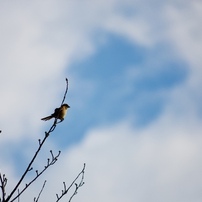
55	114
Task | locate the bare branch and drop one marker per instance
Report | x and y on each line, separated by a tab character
18	196
81	183
26	171
65	91
52	128
3	181
49	163
36	199
56	118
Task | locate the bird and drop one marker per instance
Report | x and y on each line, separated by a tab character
59	113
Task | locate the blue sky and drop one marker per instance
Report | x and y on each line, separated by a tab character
134	71
116	94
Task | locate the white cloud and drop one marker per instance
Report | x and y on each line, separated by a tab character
39	39
36	46
158	163
185	30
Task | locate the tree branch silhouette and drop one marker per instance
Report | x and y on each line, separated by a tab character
65	91
3	181
36	199
65	189
50	161
52	128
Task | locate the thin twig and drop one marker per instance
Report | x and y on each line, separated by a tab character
52	128
49	163
18	195
3	181
27	170
36	200
78	185
65	91
65	190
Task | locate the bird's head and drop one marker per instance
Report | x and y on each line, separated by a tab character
66	106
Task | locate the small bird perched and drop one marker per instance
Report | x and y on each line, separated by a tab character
59	113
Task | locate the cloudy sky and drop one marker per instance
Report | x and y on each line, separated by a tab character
134	70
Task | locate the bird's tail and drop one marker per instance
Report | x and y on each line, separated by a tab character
47	118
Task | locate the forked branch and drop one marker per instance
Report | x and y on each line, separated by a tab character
29	167
50	162
65	190
16	192
3	181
